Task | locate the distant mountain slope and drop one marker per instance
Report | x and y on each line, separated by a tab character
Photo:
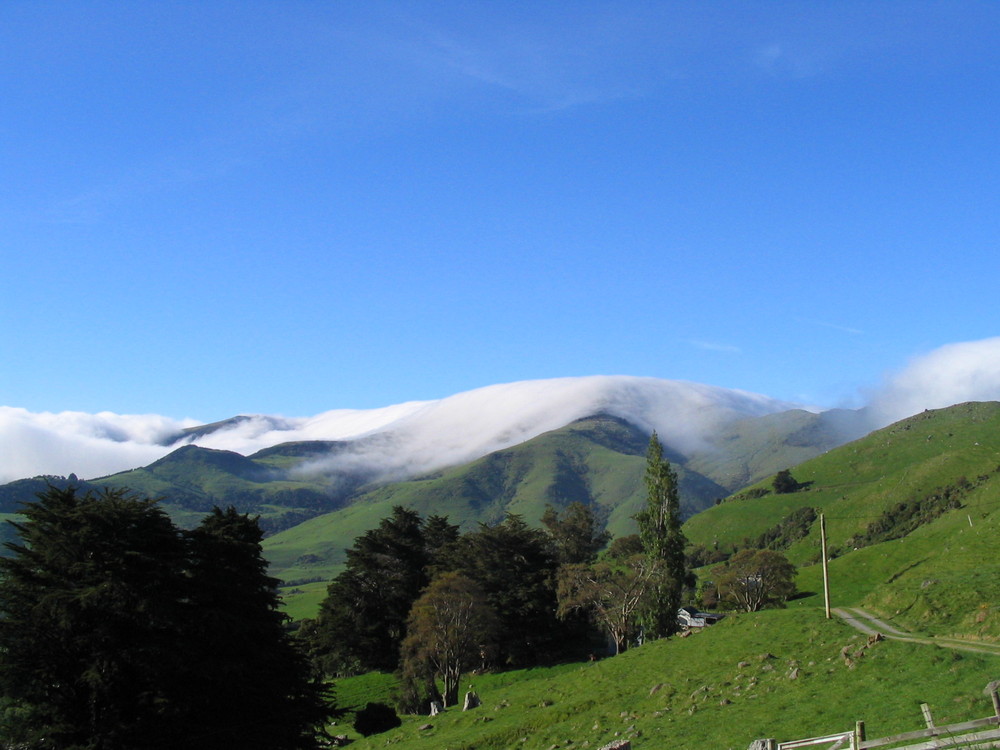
598	460
192	480
748	449
593	460
406	440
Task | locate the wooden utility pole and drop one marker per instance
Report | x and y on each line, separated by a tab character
826	573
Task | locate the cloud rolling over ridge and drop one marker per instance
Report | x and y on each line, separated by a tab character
395	441
407	439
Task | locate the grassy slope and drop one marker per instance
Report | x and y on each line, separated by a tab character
941	578
706	698
863	478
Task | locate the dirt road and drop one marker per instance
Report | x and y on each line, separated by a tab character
868	624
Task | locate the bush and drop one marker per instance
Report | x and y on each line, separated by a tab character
376	718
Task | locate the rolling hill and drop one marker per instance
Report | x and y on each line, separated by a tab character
912	513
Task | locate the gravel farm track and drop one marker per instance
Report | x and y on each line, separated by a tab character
868	624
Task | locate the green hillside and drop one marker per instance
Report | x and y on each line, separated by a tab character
778	673
598	461
911	512
191	480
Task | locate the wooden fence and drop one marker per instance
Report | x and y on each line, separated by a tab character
968	735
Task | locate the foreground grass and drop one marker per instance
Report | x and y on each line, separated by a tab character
773	674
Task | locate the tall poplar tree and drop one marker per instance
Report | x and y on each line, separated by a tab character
662	541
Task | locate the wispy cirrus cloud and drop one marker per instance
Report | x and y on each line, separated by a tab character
833	326
712	346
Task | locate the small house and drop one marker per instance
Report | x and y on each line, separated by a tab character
689	617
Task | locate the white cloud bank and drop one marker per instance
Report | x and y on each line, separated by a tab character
411	438
74	442
400	440
952	374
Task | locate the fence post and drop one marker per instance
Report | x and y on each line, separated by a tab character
996	701
927	715
859	734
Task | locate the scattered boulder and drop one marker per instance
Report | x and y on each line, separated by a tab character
618	745
699	691
435	708
425	727
471	701
794	674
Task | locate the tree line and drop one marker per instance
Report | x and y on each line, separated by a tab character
120	631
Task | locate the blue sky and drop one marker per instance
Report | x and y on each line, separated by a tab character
288	207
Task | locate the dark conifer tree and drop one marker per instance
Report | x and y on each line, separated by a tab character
254	688
90	603
575	533
516	566
117	632
362	621
439	536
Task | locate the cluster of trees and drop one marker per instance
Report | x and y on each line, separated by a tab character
410	578
418	596
119	630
